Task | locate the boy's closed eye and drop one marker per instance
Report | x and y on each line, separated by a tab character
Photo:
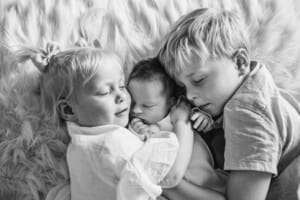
198	81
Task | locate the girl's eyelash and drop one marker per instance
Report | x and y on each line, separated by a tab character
106	93
102	93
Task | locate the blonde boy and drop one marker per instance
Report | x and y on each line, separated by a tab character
207	52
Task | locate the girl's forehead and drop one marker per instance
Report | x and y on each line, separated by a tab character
111	63
109	71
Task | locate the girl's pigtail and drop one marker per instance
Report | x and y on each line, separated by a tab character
84	43
39	57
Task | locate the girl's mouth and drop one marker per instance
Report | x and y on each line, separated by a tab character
121	112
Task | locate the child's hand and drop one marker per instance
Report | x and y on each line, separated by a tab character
161	198
142	129
201	120
154	128
180	112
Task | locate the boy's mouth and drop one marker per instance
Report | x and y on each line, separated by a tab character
121	112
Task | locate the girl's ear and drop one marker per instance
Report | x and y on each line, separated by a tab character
241	59
65	111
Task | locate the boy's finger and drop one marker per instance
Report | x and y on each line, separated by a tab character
198	122
194	116
203	124
208	126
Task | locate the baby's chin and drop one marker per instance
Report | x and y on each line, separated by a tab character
151	121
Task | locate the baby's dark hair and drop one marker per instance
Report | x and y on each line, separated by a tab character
152	70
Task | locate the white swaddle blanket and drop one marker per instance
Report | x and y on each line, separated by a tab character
109	162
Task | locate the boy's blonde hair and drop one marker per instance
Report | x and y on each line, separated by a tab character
205	33
64	72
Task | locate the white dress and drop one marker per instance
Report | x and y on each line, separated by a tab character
109	162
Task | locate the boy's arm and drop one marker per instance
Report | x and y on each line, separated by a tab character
248	185
187	190
183	130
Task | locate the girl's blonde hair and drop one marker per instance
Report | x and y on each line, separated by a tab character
62	72
205	33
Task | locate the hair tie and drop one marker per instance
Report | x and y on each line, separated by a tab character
42	59
81	42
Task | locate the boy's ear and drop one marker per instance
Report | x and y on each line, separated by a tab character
241	59
65	110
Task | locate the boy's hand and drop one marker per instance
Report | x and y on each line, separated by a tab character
142	129
162	198
201	120
180	112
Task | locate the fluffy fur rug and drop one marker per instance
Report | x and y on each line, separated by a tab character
32	149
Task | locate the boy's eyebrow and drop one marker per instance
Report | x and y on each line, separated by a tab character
193	73
189	75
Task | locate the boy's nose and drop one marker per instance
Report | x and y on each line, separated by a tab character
190	96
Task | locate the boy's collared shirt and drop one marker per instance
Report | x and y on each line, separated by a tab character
262	125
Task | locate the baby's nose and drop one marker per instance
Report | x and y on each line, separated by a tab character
136	109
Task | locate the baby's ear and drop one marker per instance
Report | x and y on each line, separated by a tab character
241	59
172	101
65	111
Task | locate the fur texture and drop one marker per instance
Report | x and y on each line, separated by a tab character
32	149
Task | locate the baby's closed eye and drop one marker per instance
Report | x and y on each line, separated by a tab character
148	106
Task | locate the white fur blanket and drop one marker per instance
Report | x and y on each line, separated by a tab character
32	150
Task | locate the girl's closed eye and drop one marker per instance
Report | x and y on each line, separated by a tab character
102	93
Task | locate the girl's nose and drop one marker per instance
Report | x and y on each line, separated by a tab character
120	97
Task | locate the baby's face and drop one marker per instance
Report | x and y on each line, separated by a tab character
104	99
211	85
149	101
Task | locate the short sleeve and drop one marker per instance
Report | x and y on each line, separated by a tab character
252	139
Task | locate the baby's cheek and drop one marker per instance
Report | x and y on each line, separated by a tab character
128	97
